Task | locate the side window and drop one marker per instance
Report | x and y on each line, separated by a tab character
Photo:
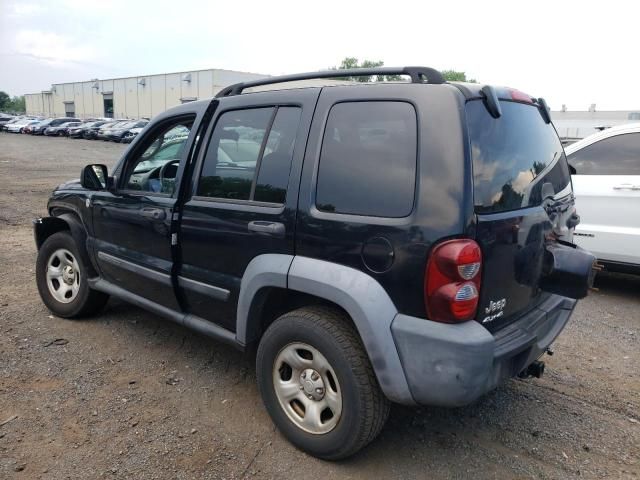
273	177
249	155
368	159
619	155
155	169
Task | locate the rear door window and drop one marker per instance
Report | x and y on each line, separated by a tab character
514	156
368	159
249	155
619	155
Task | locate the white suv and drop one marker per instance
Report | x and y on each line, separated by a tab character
606	183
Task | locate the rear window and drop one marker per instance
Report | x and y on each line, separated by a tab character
368	159
513	157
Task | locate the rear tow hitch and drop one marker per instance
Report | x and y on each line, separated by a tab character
536	369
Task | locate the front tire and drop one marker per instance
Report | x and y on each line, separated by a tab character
318	385
62	278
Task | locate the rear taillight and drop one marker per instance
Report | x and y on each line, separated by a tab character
452	281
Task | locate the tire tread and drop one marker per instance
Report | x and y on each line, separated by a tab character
93	300
374	405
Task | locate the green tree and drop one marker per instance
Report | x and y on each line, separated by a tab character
456	76
5	99
13	105
18	104
352	62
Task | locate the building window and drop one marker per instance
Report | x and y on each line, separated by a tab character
69	109
108	105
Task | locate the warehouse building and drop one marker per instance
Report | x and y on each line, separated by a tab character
131	97
574	125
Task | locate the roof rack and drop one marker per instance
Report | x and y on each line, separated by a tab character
417	74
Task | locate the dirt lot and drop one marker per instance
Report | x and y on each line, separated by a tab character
127	395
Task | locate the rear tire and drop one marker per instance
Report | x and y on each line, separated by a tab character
318	385
62	279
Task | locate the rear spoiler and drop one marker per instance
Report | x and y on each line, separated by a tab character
491	97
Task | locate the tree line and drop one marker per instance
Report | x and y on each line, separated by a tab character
11	105
353	62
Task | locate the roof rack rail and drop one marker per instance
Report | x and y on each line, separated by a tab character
417	74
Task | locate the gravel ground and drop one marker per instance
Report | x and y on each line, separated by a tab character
127	395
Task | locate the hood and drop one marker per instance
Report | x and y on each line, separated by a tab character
70	185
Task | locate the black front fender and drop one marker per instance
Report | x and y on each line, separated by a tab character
43	228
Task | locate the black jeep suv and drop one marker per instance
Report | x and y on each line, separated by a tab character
401	241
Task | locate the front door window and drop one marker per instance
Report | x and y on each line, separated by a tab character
155	169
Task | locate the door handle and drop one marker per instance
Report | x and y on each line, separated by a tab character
626	186
272	228
153	213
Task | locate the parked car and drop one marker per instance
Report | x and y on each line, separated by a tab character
28	128
104	132
60	129
51	123
91	133
116	133
130	135
80	130
404	242
19	126
41	124
3	127
606	181
4	119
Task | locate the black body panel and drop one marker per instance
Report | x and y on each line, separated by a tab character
215	239
442	205
512	246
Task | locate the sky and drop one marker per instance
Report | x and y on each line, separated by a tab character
574	53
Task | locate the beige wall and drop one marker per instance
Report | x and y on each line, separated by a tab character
156	84
38	104
132	100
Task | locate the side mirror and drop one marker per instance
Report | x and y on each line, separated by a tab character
95	177
572	169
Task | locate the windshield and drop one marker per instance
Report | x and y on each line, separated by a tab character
514	157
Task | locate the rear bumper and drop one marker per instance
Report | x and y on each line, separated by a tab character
453	365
